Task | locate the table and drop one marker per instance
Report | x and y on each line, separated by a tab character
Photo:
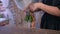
17	30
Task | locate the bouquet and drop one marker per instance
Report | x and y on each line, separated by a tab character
28	16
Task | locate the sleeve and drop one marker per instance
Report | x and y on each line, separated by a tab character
57	4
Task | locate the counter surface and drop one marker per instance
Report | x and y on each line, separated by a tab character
17	30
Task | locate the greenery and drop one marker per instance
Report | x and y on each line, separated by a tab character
1	15
28	18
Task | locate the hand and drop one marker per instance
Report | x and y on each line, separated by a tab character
34	6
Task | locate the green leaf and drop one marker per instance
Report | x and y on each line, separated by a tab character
30	18
26	18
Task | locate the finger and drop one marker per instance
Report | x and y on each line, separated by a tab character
31	7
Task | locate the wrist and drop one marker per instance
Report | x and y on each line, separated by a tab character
39	5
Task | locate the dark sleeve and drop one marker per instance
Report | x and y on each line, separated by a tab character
52	3
57	4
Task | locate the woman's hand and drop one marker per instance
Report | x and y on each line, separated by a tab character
34	6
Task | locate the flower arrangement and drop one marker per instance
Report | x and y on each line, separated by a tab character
28	16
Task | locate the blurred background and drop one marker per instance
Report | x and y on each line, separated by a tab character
15	18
